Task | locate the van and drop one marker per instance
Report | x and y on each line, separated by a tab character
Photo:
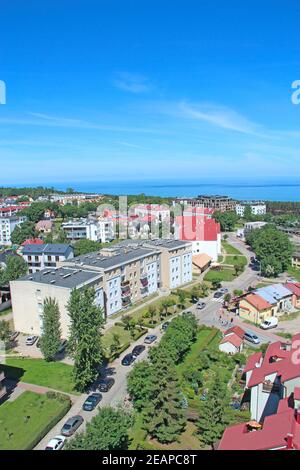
270	323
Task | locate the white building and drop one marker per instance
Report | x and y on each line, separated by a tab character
39	257
7	226
98	230
257	208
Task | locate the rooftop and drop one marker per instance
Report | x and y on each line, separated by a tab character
48	249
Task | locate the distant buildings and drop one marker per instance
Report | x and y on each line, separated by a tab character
7	226
44	226
121	275
216	202
256	207
98	230
43	256
249	226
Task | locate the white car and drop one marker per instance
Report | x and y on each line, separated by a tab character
56	443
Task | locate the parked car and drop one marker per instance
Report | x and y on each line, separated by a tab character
106	384
251	337
128	359
200	305
13	335
30	340
150	339
62	346
91	402
269	323
71	425
56	443
137	350
165	325
224	290
218	294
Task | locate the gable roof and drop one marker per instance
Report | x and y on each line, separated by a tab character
201	260
237	330
232	338
294	287
49	248
258	302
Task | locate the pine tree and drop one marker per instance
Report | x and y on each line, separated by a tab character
164	417
51	334
214	413
85	336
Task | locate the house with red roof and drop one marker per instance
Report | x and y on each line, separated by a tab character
231	344
272	377
254	308
202	230
295	289
32	241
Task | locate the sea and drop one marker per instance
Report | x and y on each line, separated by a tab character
269	190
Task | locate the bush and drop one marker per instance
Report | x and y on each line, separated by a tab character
116	354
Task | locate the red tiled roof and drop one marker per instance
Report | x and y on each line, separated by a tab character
237	330
272	435
293	287
197	228
257	301
33	241
252	360
233	339
297	393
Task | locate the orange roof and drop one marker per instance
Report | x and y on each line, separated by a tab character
233	339
237	330
201	260
257	301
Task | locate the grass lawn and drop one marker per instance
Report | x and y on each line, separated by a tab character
27	419
294	272
290	316
5	312
226	274
235	259
230	250
124	336
54	375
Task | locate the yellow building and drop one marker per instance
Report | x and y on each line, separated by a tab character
255	309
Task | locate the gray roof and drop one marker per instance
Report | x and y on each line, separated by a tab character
62	277
159	243
123	255
48	249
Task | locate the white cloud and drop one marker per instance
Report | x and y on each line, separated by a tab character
132	83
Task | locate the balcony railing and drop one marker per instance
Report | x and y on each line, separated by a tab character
271	387
125	294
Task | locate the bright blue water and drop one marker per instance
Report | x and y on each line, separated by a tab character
272	190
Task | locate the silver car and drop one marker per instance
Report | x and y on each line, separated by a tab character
71	425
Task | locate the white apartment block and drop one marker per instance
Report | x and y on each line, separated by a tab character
101	230
50	255
7	226
257	208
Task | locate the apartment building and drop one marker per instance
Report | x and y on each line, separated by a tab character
98	230
129	273
157	211
256	207
216	202
29	293
7	226
249	226
40	256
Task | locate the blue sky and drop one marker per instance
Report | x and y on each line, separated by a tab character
148	89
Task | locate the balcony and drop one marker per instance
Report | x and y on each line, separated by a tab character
126	302
126	293
270	387
125	284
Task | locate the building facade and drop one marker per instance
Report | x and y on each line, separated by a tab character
7	226
256	207
43	256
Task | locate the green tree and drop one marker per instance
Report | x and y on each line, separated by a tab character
81	247
163	416
15	267
85	336
51	333
23	232
213	413
152	313
140	383
4	331
270	266
115	343
108	430
227	220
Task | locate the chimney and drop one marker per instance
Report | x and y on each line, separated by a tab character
289	441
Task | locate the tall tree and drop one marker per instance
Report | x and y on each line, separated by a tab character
51	334
85	336
164	417
213	413
23	232
108	430
4	331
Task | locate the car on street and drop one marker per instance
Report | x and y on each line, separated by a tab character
137	350
165	325
13	335
271	322
200	305
251	337
150	339
56	443
71	425
128	359
218	294
91	402
30	340
224	290
106	384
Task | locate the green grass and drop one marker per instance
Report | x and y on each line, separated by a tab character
235	259
27	418
226	274
294	272
56	375
290	316
230	250
6	312
124	336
